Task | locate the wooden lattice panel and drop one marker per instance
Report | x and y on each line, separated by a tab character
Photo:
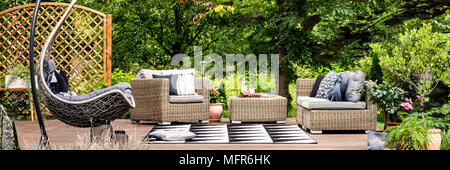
82	48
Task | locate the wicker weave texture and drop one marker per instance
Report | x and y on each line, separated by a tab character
334	119
252	109
152	102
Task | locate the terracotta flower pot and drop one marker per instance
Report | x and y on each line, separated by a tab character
389	124
215	111
434	141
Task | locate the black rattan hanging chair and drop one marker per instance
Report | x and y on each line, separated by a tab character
80	110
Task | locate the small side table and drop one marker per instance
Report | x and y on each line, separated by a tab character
257	109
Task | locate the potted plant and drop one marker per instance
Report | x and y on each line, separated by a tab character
388	98
215	107
411	134
414	133
17	77
2	82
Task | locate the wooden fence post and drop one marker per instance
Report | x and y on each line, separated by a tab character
109	47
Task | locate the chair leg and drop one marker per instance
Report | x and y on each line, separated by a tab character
315	131
301	126
281	122
236	122
164	123
204	121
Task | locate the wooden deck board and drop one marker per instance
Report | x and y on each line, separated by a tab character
62	135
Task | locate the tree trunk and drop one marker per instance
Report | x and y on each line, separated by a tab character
176	48
284	73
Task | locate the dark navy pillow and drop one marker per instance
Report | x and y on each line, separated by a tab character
172	82
316	86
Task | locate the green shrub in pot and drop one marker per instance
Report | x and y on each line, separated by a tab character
411	134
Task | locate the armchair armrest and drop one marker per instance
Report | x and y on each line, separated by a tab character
158	89
304	86
369	104
205	91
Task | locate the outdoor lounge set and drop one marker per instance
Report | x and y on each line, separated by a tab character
154	92
331	102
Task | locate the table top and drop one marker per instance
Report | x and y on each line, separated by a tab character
12	89
257	98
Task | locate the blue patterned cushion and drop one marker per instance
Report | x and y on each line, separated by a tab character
338	91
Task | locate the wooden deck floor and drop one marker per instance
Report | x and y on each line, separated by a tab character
62	135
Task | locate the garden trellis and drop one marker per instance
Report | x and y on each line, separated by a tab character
82	49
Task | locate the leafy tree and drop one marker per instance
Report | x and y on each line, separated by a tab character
417	57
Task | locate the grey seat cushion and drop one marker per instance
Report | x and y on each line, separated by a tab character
186	99
319	103
124	87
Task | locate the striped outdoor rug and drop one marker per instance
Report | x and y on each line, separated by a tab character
238	134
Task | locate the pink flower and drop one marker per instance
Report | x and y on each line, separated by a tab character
408	100
407	106
247	93
419	97
214	90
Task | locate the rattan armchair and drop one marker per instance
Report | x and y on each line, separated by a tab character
318	120
152	102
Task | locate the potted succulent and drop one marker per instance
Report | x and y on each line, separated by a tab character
388	98
215	107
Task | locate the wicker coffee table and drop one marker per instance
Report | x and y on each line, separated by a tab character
257	109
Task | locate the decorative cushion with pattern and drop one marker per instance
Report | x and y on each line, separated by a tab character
326	84
337	92
185	84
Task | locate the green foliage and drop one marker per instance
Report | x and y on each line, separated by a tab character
119	76
292	112
440	117
2	81
376	73
18	71
215	96
445	140
84	88
410	135
417	57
